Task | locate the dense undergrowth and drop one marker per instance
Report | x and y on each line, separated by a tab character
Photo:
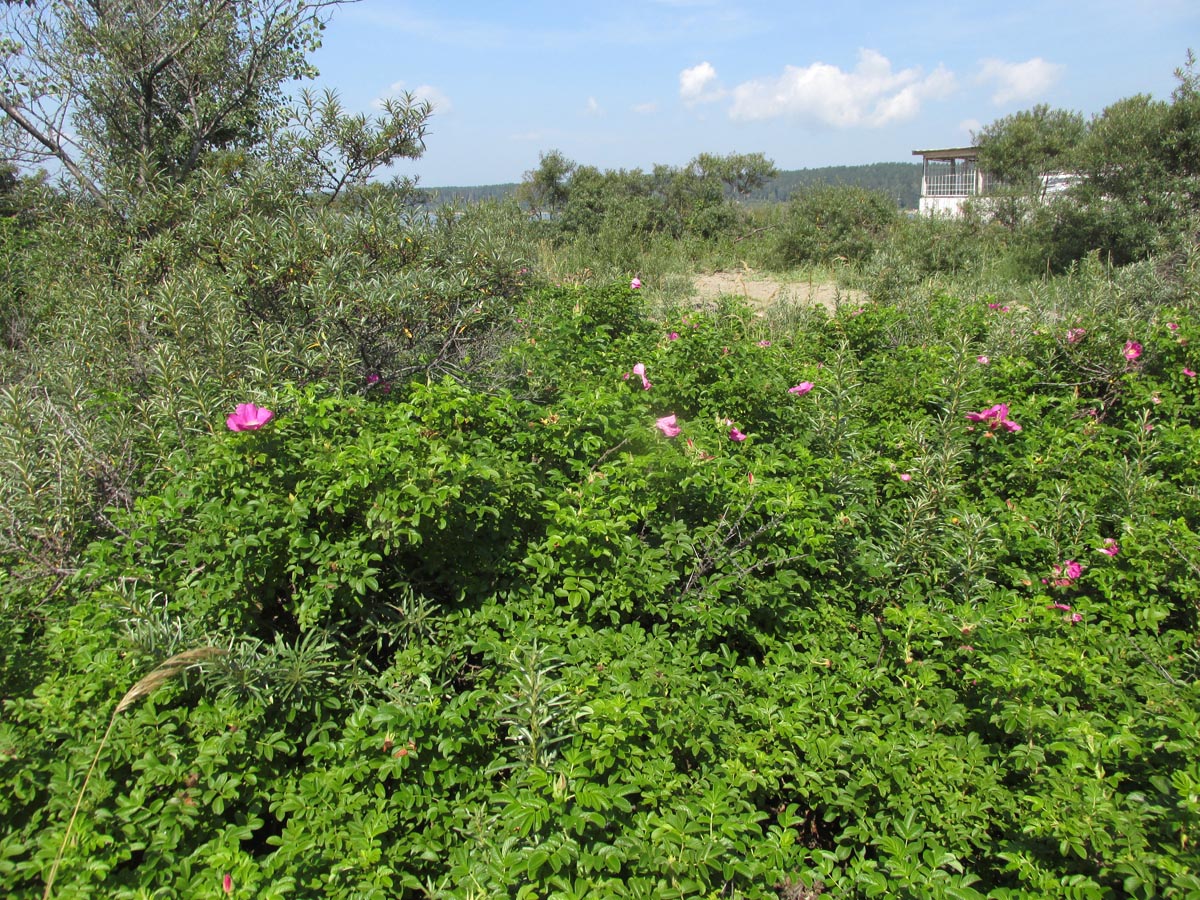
840	633
540	585
513	576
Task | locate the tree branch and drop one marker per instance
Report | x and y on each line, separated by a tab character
13	111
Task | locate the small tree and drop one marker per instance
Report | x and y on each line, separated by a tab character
741	173
1021	148
833	222
129	90
546	188
334	150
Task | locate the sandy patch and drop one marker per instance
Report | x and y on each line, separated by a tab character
762	292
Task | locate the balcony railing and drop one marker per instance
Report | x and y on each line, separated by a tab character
961	181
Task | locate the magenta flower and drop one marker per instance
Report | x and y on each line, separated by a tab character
982	360
802	388
372	378
998	306
667	426
640	371
1110	548
227	883
1174	326
635	284
735	435
673	336
995	417
249	417
1188	372
1132	350
764	343
1065	575
904	476
1073	617
1075	335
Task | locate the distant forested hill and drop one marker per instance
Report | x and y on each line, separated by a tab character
899	180
475	194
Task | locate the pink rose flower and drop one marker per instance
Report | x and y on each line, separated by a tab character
640	371
667	426
635	284
802	388
249	417
995	417
1132	350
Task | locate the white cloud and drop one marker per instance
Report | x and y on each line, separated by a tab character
699	84
1019	81
593	107
970	127
645	109
872	94
422	92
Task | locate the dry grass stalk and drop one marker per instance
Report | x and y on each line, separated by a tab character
145	686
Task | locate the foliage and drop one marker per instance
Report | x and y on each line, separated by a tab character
128	92
667	201
824	224
1021	148
333	150
537	587
1136	165
128	339
545	188
900	181
741	173
519	642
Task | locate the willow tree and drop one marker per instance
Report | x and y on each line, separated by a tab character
126	91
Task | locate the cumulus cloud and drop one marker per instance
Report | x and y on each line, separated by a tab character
422	92
699	84
970	126
870	95
1021	80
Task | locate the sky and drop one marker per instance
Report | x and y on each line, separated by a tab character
625	84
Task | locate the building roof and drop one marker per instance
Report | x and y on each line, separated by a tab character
949	153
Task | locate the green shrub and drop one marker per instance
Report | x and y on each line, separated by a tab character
525	641
829	223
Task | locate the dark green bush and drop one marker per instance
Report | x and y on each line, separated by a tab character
833	223
461	641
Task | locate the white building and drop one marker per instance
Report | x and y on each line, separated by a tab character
952	176
949	178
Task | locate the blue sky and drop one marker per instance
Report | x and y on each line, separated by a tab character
631	83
